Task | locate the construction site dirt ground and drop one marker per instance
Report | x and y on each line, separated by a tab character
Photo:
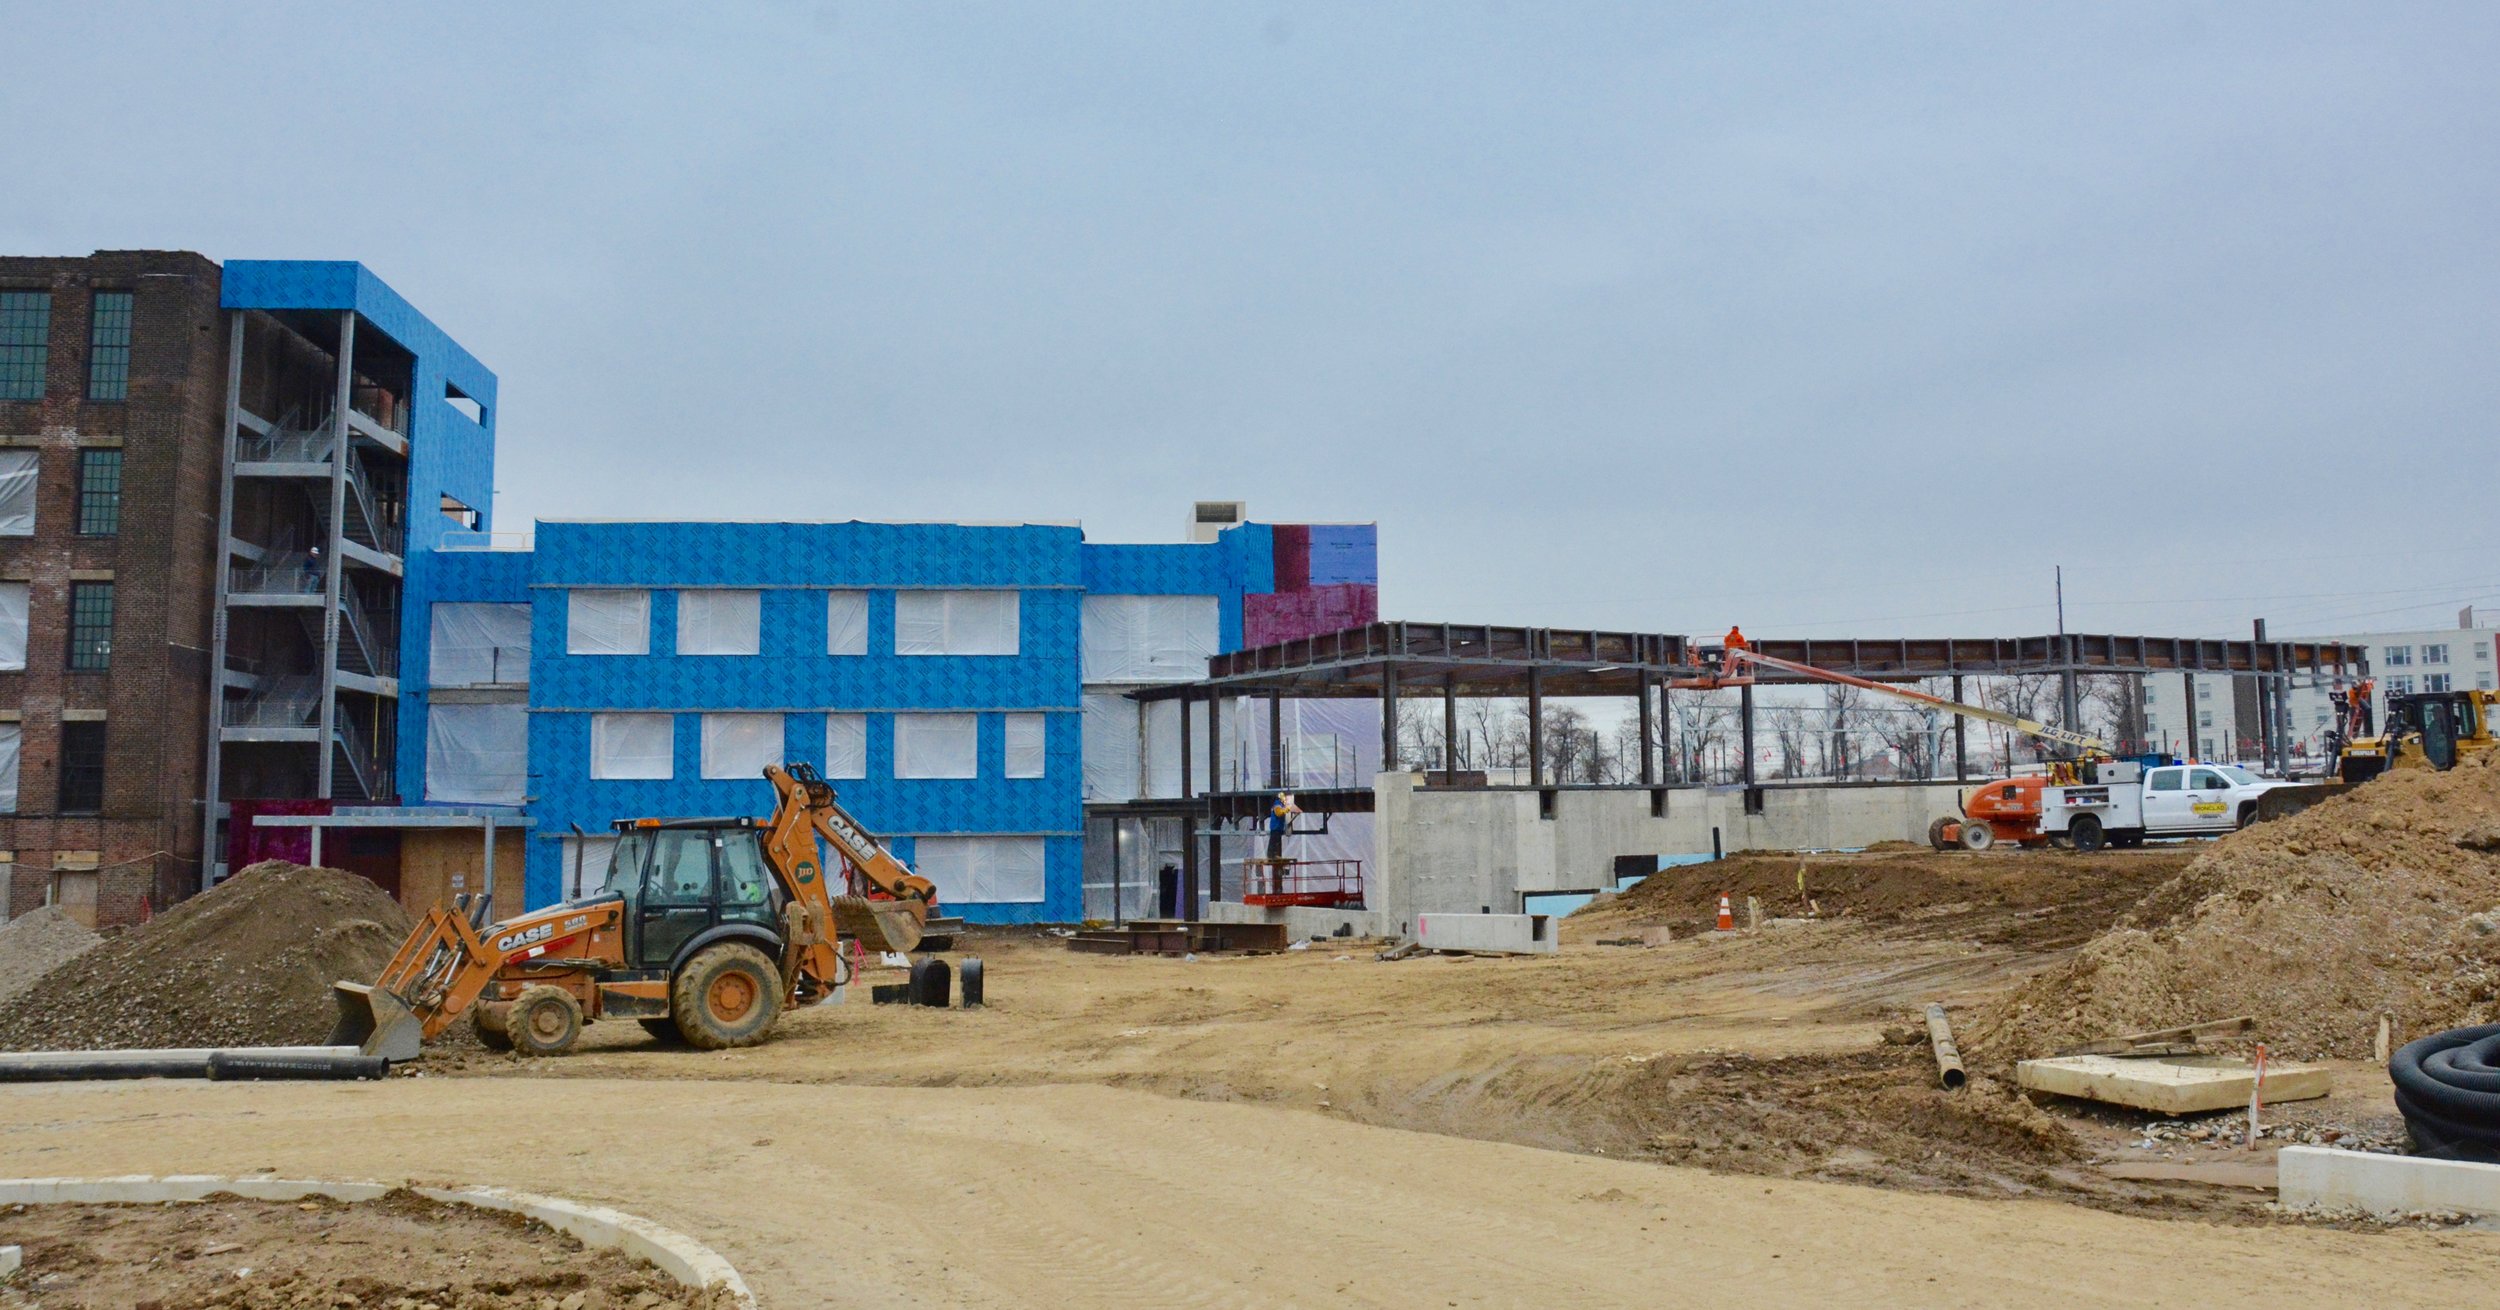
1325	1128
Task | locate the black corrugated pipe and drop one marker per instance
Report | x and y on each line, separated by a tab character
64	1071
2448	1087
252	1066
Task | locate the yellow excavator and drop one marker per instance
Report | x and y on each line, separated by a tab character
706	930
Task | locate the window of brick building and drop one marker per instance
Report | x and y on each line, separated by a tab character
99	492
18	472
82	768
90	625
108	347
25	343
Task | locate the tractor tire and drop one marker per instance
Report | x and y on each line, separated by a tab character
1977	835
1936	834
933	984
489	1023
663	1029
2248	814
544	1020
970	976
2087	834
729	995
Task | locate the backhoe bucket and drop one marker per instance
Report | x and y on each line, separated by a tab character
376	1022
879	925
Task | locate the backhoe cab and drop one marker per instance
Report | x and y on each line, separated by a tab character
2425	730
706	930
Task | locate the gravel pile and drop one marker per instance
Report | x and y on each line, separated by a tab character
32	945
247	963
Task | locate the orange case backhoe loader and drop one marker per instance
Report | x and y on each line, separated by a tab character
707	929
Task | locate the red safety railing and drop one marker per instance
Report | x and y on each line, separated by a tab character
1331	883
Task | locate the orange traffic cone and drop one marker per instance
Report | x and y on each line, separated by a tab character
1727	916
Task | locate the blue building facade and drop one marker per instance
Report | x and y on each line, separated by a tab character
939	674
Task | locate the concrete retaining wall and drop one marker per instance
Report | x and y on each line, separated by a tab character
1481	851
2322	1178
1511	934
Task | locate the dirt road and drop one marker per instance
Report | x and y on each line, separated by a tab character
1088	1196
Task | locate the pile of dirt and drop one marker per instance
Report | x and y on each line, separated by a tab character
2037	899
400	1249
247	963
32	945
2382	901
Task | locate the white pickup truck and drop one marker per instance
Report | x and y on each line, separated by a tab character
2126	802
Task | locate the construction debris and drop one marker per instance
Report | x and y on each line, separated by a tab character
1948	1056
246	963
32	945
2163	1041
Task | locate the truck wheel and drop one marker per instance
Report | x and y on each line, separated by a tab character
2086	833
727	996
489	1021
544	1020
1977	835
2248	813
1936	834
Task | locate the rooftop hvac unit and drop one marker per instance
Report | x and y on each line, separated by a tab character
1210	517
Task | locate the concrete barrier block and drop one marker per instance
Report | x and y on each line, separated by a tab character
2320	1177
1508	934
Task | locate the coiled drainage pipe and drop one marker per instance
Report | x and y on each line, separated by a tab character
2448	1087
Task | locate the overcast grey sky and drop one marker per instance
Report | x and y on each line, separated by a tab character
1821	319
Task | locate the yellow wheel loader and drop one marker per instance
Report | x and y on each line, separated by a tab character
707	929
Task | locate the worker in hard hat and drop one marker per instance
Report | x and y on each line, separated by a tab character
1280	816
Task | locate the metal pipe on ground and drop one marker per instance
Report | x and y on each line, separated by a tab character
1948	1056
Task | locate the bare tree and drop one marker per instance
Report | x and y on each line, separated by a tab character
1704	723
1789	730
1839	742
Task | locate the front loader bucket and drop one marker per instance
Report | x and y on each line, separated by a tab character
376	1022
879	925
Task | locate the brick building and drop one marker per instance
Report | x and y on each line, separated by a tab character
112	388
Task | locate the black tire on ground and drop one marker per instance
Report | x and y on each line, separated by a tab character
1936	834
972	982
1977	835
729	995
491	1033
2248	813
936	987
544	1020
2085	831
664	1029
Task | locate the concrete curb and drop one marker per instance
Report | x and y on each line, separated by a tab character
2320	1177
681	1257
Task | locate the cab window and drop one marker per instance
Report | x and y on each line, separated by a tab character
2165	780
633	850
681	867
2208	780
743	879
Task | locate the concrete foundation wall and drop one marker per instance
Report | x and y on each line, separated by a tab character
1481	851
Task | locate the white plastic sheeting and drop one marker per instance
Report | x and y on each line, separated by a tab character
846	745
937	745
477	754
720	622
1133	749
17	493
1027	736
12	625
474	645
633	745
1111	748
607	622
12	740
1150	638
846	623
740	745
982	870
586	862
955	622
1328	742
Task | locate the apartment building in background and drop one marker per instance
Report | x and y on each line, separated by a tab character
112	387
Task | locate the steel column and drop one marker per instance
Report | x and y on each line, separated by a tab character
335	576
1449	730
1536	726
1649	723
1215	783
2195	734
1388	716
1275	742
1744	712
1961	736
